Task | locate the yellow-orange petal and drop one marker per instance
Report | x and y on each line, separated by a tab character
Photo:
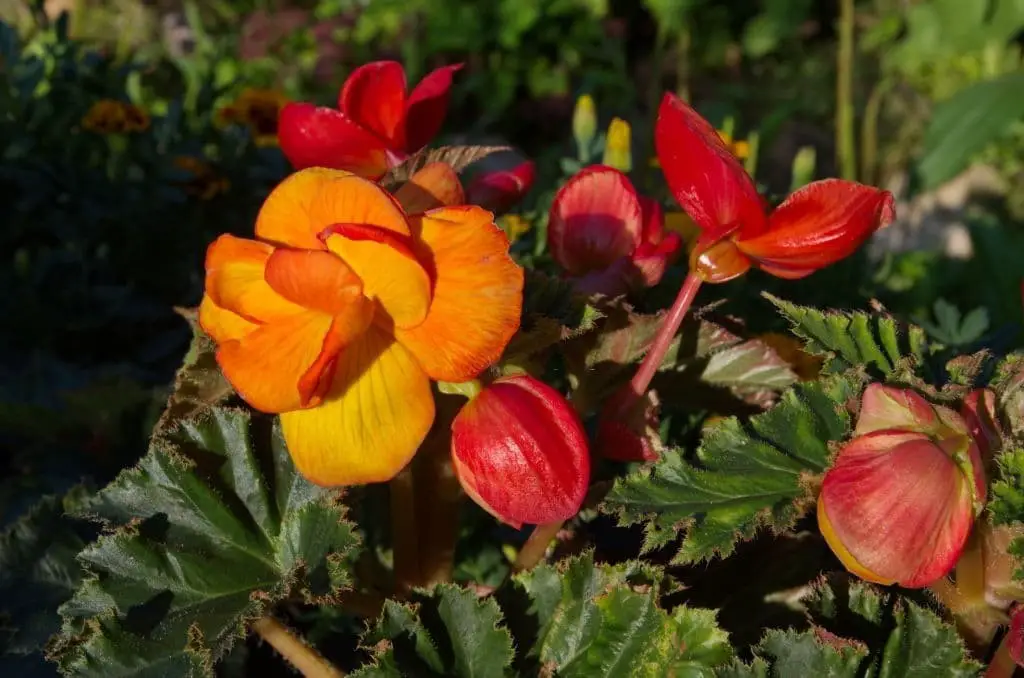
372	420
266	365
478	293
235	280
221	324
390	272
307	202
314	279
844	555
434	185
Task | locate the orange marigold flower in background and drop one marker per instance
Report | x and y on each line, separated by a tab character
258	110
377	124
345	307
110	116
205	183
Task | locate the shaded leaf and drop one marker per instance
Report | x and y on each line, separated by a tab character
553	311
854	339
38	572
448	632
748	473
460	158
964	124
605	621
861	631
213	526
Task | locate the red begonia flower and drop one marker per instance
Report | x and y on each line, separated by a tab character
606	236
376	126
814	227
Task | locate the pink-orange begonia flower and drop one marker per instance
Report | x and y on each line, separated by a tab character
376	126
345	307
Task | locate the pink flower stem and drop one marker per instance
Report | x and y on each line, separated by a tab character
1002	664
666	333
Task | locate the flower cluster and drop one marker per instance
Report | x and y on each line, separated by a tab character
350	299
258	110
111	116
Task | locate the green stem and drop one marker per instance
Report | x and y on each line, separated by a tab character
845	147
305	659
404	536
869	132
536	546
683	64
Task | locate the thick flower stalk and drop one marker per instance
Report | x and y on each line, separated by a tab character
376	126
605	236
345	307
520	451
900	500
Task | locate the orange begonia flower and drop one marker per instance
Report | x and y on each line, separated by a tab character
346	306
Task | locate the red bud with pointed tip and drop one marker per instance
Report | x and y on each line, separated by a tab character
520	452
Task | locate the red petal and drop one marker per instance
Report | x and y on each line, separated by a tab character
312	136
594	220
818	225
427	106
653	220
374	96
704	176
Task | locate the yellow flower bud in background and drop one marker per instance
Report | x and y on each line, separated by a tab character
617	152
803	168
584	126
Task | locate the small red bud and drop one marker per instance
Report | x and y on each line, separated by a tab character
520	452
501	191
900	500
628	430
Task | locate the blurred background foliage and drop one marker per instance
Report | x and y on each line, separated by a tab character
105	228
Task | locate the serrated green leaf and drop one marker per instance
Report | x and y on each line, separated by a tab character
213	526
751	474
861	631
1006	500
605	621
852	339
446	632
38	572
553	311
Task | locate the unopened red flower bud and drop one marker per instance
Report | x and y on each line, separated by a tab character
500	191
520	452
900	501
